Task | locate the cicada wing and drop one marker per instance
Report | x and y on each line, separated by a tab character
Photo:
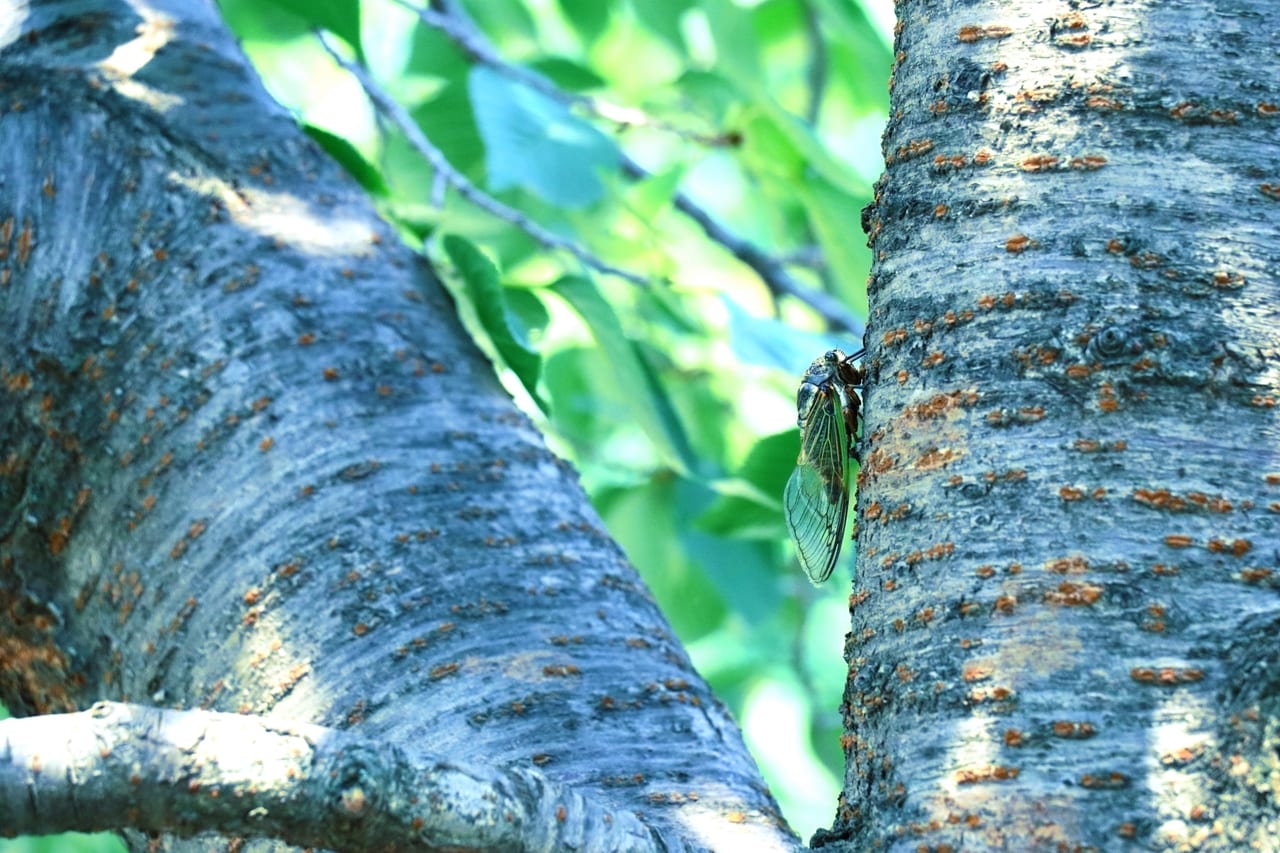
815	522
816	499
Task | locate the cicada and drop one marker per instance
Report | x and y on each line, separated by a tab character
816	500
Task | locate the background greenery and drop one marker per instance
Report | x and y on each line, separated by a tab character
675	398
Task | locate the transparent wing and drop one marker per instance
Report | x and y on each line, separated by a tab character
816	499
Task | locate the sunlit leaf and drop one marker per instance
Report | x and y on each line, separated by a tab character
340	17
646	401
489	303
534	142
350	159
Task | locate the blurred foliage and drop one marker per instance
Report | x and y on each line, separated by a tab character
676	398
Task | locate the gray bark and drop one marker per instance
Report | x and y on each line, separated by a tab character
1066	621
252	463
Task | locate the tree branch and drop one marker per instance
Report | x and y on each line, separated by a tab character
119	765
452	20
445	171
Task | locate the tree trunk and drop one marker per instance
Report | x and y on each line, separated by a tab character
1066	622
252	463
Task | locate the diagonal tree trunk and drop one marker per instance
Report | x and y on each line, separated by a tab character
1066	619
252	463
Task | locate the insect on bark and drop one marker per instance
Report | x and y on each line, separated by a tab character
816	500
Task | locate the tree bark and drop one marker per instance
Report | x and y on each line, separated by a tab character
1066	620
252	463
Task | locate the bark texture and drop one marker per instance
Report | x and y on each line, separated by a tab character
1066	618
252	463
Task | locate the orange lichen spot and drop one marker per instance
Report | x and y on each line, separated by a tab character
330	374
1017	244
1074	595
1088	163
933	359
1039	163
1073	21
25	239
1070	493
914	148
1228	280
1265	108
940	210
360	629
1112	780
955	162
1166	676
894	336
1006	604
1071	730
976	672
1013	738
989	773
266	444
985	572
561	670
1254	576
1236	547
441	671
1098	102
306	339
1178	540
935	458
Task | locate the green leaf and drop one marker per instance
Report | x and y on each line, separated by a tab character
340	17
534	142
737	48
767	342
834	215
645	399
749	505
588	17
567	74
662	18
350	159
485	292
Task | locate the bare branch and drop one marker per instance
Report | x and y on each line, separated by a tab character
454	23
185	772
445	171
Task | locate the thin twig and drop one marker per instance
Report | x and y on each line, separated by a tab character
445	171
454	23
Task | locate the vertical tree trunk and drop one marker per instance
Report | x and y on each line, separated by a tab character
1066	618
252	463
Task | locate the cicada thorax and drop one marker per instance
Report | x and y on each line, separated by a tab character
850	376
827	392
